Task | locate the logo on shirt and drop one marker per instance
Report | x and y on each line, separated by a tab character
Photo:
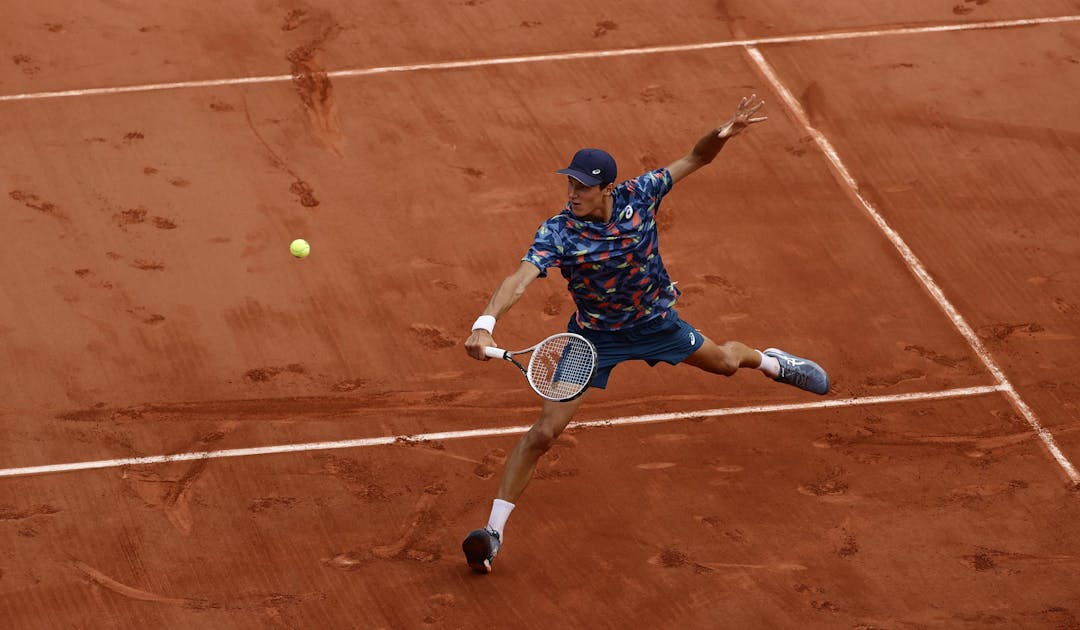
627	212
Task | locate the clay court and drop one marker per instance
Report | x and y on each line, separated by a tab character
201	431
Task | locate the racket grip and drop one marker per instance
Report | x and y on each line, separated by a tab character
494	353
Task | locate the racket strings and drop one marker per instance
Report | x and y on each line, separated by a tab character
562	366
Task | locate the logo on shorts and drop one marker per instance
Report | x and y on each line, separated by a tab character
693	339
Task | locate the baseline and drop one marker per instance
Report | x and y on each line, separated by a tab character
619	52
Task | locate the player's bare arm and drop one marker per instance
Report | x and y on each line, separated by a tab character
710	144
508	293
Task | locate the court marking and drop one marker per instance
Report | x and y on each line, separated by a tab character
620	52
473	433
913	263
750	46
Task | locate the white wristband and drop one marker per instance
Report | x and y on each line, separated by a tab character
485	322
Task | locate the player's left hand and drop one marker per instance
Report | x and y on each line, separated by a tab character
743	117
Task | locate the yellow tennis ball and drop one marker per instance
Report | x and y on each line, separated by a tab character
300	248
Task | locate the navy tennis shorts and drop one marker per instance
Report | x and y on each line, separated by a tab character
668	339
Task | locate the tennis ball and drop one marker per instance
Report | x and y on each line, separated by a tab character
300	248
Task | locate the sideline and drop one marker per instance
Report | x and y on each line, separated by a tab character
914	264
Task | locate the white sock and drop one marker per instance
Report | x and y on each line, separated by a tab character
500	511
769	365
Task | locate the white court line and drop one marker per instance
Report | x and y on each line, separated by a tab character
595	54
914	264
472	433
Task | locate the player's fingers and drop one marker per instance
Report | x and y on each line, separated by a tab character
759	119
474	347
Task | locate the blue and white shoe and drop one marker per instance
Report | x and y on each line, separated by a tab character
802	373
480	547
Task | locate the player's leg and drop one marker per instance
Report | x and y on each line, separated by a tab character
482	545
778	365
554	416
725	358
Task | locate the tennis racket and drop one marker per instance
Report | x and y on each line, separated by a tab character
560	368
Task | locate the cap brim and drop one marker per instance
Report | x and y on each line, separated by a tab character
584	178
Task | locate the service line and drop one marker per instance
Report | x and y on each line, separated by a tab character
474	433
593	54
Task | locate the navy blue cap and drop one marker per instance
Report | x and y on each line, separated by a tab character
591	167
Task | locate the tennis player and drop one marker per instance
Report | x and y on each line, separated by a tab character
604	243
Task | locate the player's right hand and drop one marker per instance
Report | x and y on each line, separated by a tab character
477	341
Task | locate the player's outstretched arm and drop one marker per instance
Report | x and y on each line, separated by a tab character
508	293
710	144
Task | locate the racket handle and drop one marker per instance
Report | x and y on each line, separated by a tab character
494	353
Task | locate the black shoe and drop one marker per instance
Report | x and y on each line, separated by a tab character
480	547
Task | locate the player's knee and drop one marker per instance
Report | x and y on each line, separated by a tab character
727	360
540	438
719	360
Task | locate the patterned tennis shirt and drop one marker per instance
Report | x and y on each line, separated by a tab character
613	270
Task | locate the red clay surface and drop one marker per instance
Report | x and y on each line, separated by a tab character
150	306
